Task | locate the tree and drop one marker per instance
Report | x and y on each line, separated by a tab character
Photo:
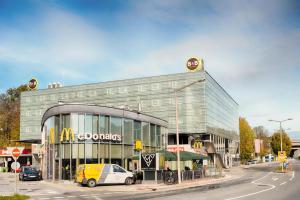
246	140
262	134
10	115
286	143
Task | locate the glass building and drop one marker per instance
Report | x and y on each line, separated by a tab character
206	110
76	134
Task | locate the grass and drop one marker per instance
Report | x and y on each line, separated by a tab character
14	197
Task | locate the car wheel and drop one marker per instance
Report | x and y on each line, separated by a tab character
128	181
91	183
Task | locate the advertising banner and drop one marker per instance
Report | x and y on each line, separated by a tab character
148	161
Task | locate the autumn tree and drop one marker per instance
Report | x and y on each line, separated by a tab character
286	143
10	115
246	140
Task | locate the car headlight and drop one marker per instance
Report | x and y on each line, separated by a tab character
24	174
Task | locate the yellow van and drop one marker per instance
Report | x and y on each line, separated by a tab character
95	174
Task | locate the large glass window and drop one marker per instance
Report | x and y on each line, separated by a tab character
158	136
74	124
152	135
146	132
116	125
137	130
95	123
104	124
128	132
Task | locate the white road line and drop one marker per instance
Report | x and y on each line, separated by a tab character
256	182
262	177
293	176
71	196
275	179
58	197
44	198
283	183
246	195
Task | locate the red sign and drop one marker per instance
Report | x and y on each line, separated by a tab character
15	153
174	149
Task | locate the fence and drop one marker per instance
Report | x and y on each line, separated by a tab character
171	177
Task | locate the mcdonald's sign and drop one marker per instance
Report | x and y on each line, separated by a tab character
69	134
196	143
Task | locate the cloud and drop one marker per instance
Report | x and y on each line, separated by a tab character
60	42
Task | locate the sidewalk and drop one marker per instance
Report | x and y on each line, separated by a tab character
149	186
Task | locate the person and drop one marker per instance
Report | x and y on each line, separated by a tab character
67	172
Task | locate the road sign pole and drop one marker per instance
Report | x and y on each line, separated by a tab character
16	175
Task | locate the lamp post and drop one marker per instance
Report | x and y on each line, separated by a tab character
280	126
177	125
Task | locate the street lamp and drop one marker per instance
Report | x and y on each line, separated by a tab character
280	126
177	126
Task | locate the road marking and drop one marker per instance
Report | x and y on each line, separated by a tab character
58	197
262	177
71	196
44	198
275	179
283	183
255	182
293	176
84	195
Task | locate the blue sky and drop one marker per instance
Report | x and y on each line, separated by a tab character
252	49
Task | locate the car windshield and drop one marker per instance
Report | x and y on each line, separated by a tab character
30	169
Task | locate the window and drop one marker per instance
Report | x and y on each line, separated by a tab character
109	91
28	129
152	134
128	131
123	90
116	168
137	130
154	86
104	124
142	88
155	102
116	125
146	138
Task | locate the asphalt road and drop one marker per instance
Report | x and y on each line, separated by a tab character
259	182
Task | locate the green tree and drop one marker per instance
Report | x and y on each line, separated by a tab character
286	143
246	140
10	115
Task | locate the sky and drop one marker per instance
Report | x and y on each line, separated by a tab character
252	48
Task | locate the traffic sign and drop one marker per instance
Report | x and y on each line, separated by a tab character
281	156
14	164
15	153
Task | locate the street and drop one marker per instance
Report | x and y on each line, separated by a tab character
258	182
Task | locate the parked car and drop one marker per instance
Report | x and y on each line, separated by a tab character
95	174
249	162
29	173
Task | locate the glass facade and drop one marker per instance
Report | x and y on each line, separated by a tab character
66	152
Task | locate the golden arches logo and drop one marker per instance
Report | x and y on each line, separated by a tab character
197	144
69	132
